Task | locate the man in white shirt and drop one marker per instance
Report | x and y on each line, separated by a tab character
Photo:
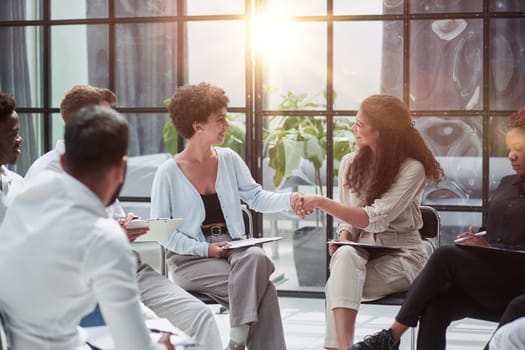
164	297
61	253
10	141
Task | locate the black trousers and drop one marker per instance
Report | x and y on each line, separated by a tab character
460	282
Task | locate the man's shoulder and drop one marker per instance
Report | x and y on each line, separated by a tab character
48	161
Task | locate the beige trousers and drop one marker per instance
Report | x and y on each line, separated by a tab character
241	283
353	277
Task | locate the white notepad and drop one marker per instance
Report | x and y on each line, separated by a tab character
159	229
102	339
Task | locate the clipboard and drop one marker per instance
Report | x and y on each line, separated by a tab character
159	229
241	243
371	247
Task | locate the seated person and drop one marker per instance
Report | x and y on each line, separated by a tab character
464	280
204	185
380	189
10	182
65	254
163	297
510	334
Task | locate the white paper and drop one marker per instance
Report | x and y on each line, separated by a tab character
100	337
160	230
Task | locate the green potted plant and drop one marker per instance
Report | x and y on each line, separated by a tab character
290	140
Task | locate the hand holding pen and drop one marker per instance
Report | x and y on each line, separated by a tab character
472	238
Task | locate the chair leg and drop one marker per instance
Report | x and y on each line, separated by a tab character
412	338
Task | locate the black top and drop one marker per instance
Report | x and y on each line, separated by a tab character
506	214
213	210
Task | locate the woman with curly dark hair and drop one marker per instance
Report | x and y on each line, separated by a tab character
380	188
204	184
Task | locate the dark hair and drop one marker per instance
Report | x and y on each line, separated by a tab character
96	138
84	95
195	103
7	105
371	174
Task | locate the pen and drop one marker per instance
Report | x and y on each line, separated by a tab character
154	330
463	239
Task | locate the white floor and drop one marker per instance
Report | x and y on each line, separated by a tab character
303	321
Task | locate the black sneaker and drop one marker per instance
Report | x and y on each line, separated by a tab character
380	341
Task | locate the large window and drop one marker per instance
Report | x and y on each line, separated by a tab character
295	72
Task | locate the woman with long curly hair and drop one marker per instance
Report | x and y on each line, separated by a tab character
380	188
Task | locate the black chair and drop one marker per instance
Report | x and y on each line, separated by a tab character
430	233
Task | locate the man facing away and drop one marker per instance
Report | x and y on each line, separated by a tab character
65	253
164	297
10	141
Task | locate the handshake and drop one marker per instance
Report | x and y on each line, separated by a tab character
302	204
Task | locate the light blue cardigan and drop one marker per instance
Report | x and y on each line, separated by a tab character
173	195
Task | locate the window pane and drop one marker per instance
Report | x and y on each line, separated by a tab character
296	7
507	63
507	5
454	223
436	6
79	55
141	8
499	165
367	7
146	61
446	64
21	69
68	9
216	54
57	128
32	146
214	7
235	137
16	10
367	64
456	143
343	143
145	133
297	162
294	61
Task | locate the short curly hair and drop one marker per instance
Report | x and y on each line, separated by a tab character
7	105
195	103
80	96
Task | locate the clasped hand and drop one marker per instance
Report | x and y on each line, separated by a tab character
302	204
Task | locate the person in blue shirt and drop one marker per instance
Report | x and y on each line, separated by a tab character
204	184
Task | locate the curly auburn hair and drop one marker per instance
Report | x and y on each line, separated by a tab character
195	103
80	96
517	119
372	173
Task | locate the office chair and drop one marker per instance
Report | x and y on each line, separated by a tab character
430	234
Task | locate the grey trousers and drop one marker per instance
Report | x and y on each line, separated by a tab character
241	283
182	309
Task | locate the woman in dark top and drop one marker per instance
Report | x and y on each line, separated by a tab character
472	277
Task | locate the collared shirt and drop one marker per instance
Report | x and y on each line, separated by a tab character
505	224
397	210
64	255
11	184
173	195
